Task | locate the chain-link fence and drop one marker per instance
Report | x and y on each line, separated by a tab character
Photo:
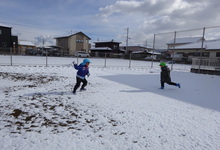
105	61
173	47
182	46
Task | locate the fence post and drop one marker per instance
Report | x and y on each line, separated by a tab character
46	59
153	51
129	62
174	43
200	57
105	60
11	55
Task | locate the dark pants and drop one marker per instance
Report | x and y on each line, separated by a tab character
78	82
170	83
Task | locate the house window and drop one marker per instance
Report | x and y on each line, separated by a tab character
218	54
4	44
196	54
0	32
191	54
79	41
115	47
206	54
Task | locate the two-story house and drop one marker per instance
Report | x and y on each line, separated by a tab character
72	43
134	48
211	49
108	47
182	41
7	41
183	54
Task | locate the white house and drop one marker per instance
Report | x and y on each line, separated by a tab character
209	49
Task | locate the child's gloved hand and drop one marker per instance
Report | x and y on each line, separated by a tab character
88	75
73	62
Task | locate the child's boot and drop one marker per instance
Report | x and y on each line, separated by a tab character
82	89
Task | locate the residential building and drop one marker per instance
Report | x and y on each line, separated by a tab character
182	55
211	49
142	52
183	41
23	45
134	48
108	47
72	43
7	41
203	54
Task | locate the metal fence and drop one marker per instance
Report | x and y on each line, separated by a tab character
167	43
27	60
162	42
206	63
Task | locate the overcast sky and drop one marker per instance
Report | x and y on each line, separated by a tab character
105	20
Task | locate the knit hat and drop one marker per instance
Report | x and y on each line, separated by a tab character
85	61
162	64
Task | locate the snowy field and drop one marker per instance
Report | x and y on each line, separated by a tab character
122	108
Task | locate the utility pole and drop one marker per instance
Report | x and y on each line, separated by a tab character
200	56
174	43
43	41
127	41
153	50
45	51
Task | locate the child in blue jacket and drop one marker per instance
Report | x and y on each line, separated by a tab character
83	70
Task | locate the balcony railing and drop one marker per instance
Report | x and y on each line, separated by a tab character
206	63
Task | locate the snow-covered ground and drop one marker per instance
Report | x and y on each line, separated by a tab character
122	108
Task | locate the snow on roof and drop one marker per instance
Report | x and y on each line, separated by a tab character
148	52
154	53
212	45
106	42
196	45
141	46
4	26
185	40
27	43
101	48
122	50
208	45
130	45
138	52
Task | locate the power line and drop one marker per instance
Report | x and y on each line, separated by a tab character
56	28
19	24
188	30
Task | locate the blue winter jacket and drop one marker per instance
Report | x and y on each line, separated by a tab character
83	70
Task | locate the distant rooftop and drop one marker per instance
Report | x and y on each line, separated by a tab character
27	43
208	45
2	26
101	48
138	45
107	42
185	40
72	35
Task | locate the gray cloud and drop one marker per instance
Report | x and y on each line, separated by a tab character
107	19
160	16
